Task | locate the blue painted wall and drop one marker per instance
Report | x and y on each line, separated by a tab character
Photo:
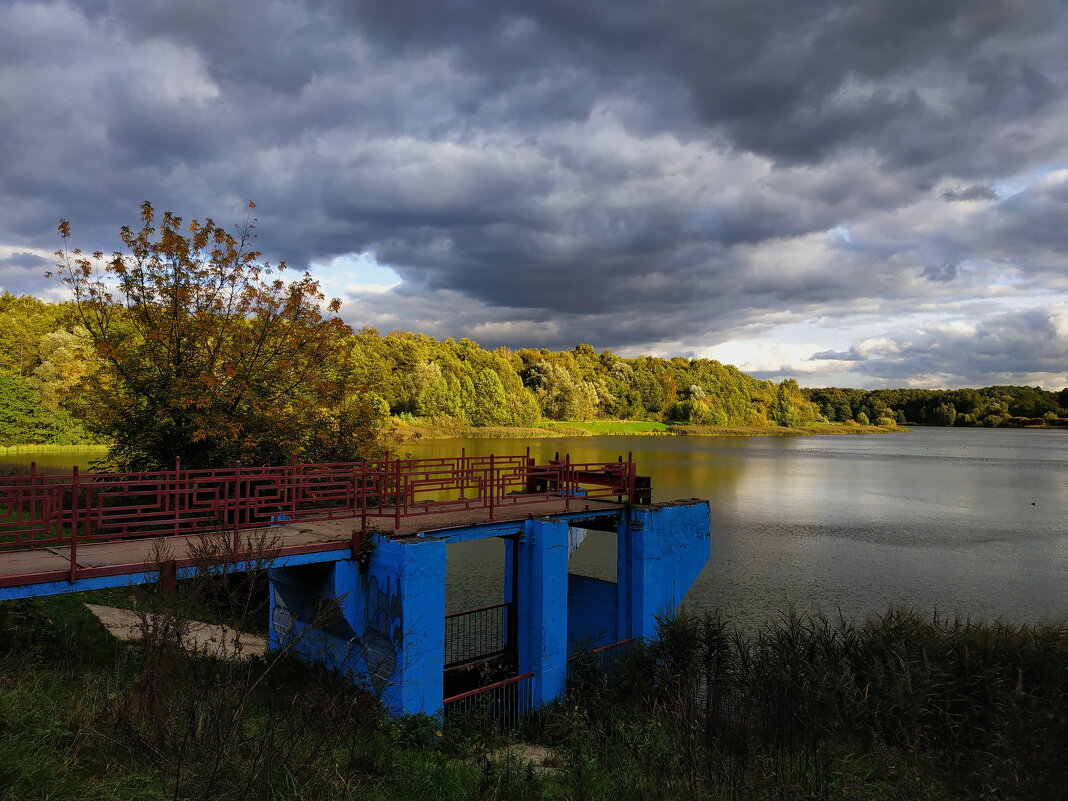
384	625
151	576
592	613
661	550
542	598
667	545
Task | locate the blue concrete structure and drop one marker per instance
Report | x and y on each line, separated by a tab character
383	621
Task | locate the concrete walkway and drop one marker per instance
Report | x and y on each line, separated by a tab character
218	641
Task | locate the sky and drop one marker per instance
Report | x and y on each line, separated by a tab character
865	193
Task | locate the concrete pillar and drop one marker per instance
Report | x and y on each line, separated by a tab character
542	599
662	549
384	624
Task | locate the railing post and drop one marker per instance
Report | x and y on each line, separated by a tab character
363	495
397	498
463	473
567	482
33	480
176	496
292	486
237	510
492	487
73	525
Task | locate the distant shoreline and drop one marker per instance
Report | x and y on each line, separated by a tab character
600	428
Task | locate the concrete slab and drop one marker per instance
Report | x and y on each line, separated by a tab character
222	642
16	563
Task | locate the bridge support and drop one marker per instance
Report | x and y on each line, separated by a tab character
383	622
541	597
660	550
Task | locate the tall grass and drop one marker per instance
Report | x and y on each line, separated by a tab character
900	707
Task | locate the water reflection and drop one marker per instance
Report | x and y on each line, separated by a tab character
966	522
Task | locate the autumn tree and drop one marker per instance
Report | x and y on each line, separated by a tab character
208	355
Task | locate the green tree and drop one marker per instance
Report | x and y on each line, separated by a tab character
208	355
943	415
65	359
25	420
24	320
20	417
489	406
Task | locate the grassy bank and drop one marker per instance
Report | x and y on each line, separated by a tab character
592	428
808	430
899	707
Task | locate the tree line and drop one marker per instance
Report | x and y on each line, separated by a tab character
186	345
52	389
995	406
51	382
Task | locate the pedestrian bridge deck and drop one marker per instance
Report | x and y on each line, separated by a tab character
48	570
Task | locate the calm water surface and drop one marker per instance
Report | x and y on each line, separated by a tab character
968	522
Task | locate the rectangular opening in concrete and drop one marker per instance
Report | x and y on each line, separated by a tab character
474	574
593	554
480	621
592	588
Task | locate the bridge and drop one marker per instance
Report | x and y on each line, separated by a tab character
368	540
86	527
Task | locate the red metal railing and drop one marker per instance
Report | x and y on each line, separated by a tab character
504	702
67	510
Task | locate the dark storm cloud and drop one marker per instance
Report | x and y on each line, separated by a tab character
631	174
1019	347
946	271
21	272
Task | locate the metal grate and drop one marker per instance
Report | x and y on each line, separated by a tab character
477	634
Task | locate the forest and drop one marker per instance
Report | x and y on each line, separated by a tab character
996	406
47	359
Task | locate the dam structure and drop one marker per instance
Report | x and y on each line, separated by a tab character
357	560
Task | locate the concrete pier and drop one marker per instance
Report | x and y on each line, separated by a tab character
383	621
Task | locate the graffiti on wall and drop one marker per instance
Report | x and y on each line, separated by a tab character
384	632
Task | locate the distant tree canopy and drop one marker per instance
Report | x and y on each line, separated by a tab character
193	386
331	398
1004	406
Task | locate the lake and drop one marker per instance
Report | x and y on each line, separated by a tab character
967	522
963	521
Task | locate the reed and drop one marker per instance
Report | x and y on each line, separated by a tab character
897	707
